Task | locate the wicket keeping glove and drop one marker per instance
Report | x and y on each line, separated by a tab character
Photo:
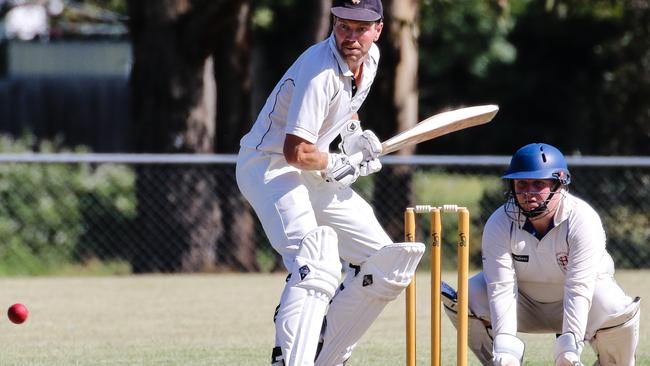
507	350
567	350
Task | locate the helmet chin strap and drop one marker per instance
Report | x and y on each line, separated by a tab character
537	211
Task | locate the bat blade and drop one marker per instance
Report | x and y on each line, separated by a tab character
439	125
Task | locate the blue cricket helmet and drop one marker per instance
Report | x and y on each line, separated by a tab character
538	161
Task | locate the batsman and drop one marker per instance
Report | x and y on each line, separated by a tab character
301	193
546	270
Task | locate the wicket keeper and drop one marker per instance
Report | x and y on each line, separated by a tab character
546	270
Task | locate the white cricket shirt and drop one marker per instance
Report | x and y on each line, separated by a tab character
313	100
563	266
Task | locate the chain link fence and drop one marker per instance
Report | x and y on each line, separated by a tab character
66	213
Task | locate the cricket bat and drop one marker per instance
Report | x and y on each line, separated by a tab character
435	126
440	125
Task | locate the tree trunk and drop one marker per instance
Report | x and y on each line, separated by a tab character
268	60
173	94
237	248
395	99
319	15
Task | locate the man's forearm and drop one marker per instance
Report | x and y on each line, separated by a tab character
304	155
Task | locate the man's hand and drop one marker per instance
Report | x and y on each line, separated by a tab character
567	350
370	143
363	147
340	171
354	140
368	167
350	137
505	359
568	359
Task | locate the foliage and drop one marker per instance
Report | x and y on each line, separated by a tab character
440	188
90	18
44	208
279	36
629	231
117	6
570	73
467	35
620	198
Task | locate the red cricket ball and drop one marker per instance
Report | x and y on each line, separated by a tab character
18	313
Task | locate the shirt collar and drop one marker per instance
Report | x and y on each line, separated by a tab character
563	208
528	226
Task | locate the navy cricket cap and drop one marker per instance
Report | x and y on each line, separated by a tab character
360	10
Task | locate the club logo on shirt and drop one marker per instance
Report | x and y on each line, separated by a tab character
562	259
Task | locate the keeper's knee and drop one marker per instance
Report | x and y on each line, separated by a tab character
616	342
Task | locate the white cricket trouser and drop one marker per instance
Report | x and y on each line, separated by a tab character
535	317
290	203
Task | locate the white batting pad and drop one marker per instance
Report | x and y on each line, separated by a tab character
317	265
617	345
314	278
379	280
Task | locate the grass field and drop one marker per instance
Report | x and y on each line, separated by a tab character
221	319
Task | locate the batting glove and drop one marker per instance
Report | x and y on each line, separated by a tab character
350	138
368	167
370	144
354	140
567	350
340	171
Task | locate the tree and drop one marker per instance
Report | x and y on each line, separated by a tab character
393	104
276	42
237	245
625	101
173	100
192	93
567	72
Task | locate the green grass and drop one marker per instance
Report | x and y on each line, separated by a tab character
461	189
221	319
